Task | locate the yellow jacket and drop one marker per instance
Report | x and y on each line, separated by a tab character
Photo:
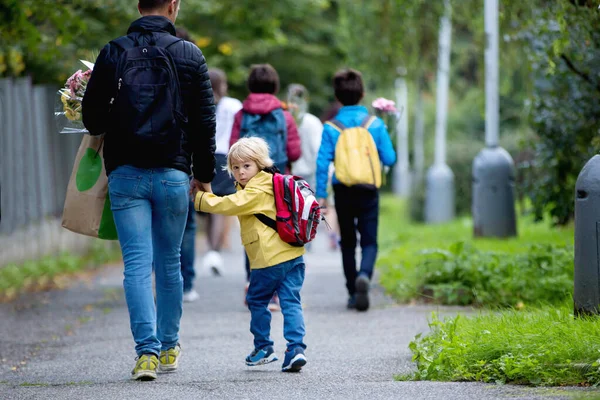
263	245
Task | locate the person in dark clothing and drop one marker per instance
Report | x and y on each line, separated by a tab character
148	162
357	206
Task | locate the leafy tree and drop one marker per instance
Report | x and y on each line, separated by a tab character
296	37
49	36
564	44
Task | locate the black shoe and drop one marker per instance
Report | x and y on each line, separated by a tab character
351	303
362	293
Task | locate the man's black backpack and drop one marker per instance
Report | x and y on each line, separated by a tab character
147	108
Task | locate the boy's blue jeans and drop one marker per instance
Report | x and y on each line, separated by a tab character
286	279
150	208
188	250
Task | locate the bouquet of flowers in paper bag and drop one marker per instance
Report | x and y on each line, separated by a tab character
87	204
67	111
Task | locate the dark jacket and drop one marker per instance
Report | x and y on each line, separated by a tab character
198	138
264	103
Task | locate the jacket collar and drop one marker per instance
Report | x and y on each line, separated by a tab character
152	23
353	109
262	179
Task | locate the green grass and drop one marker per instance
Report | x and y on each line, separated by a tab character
545	346
42	273
407	266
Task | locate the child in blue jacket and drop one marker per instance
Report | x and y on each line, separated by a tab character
357	207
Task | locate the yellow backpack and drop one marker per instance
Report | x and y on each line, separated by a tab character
356	159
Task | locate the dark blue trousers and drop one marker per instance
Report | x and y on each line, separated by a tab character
357	211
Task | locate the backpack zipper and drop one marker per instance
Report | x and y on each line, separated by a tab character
112	99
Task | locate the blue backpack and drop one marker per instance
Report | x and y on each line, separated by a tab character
272	128
147	108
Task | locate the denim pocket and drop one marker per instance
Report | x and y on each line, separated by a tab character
122	189
177	196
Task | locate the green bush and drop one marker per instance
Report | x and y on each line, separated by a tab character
542	347
465	275
402	243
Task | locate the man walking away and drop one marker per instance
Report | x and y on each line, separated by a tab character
150	95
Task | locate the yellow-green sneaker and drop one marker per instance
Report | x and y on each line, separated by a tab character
145	368
169	359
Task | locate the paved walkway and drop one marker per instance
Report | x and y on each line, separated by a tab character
76	344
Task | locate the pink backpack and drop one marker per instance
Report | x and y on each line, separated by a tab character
298	212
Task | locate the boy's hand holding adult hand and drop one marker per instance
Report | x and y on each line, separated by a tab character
197	186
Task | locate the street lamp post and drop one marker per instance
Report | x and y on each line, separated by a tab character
493	168
439	202
401	183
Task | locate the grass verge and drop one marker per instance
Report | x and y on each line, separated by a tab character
545	346
53	271
444	263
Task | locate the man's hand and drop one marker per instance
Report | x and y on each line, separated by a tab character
323	205
197	186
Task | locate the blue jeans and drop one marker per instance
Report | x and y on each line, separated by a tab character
150	207
188	250
357	210
286	279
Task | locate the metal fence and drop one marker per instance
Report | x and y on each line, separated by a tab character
35	166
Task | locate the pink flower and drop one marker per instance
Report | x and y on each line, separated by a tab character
384	105
73	82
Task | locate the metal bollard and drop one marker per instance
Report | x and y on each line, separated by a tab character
586	295
493	205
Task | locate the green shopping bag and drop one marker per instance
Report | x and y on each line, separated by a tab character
87	204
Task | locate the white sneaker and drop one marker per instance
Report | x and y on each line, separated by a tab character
214	261
190	296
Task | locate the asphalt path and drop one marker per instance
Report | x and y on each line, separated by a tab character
76	344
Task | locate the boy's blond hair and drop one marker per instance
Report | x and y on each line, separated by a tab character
250	148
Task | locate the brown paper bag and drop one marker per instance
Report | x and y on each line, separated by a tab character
87	204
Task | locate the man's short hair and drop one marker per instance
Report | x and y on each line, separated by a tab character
263	79
152	4
348	86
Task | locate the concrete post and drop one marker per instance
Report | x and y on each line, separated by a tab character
418	139
586	295
401	182
493	194
439	202
493	204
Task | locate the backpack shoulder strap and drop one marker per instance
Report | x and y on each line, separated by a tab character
335	124
280	117
243	124
167	40
368	121
267	221
124	42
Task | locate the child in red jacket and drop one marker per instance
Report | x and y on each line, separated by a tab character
262	115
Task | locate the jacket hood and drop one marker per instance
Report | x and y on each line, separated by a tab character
152	23
262	181
261	103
